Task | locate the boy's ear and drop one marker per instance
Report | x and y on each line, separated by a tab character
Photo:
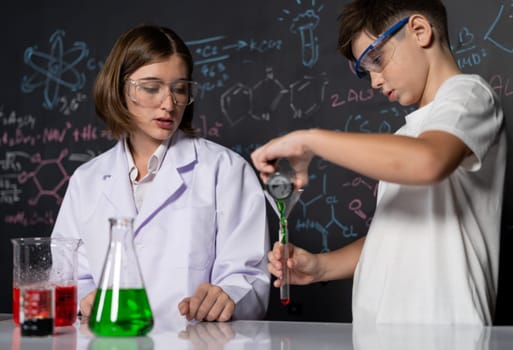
422	30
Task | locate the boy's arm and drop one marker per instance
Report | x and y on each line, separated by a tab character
340	263
306	268
392	158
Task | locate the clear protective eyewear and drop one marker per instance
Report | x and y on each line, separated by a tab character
152	92
376	56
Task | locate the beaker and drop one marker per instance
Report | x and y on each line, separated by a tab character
45	281
121	306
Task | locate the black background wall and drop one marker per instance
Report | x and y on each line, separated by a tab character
264	68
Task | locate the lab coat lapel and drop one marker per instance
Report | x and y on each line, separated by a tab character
168	186
116	184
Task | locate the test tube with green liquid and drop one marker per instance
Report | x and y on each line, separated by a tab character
284	239
281	195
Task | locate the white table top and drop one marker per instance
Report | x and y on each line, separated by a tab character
270	335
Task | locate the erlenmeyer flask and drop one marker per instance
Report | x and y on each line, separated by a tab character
121	306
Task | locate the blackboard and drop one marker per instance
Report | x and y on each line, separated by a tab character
264	68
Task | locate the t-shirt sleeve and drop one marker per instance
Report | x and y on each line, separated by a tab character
469	109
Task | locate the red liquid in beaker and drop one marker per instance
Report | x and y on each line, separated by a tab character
16	306
37	307
65	305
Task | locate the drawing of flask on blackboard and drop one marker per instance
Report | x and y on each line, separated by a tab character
304	25
121	306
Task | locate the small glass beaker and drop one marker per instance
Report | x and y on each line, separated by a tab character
43	268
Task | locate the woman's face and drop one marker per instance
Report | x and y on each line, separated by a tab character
156	118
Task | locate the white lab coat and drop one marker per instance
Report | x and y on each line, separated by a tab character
202	219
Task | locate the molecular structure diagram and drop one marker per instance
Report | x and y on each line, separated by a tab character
308	222
47	165
260	101
58	70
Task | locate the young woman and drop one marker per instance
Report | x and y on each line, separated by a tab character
200	228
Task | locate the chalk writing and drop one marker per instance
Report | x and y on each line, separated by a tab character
9	190
499	33
54	70
253	85
68	105
15	120
267	93
210	131
212	53
307	95
467	52
501	85
336	225
30	218
304	25
352	96
44	188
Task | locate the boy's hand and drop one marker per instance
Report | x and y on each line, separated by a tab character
290	146
303	266
209	303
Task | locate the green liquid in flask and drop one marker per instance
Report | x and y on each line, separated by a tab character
133	315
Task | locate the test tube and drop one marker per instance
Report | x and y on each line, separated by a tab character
284	239
280	193
285	286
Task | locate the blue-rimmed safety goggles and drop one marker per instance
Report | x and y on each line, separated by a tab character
373	59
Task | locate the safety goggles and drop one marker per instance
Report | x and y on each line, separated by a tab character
377	55
152	92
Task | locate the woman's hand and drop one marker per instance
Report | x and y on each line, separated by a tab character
209	303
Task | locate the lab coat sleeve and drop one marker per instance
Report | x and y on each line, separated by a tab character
68	225
242	242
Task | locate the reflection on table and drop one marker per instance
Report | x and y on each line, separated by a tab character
269	335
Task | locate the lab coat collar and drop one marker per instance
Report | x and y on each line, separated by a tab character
168	185
117	186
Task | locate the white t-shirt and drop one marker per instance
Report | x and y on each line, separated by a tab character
431	253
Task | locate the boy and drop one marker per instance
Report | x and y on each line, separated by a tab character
431	252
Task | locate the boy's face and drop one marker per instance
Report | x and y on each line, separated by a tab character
394	65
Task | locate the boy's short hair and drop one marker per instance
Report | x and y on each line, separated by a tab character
139	46
375	16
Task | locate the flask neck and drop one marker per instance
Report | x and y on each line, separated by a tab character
121	229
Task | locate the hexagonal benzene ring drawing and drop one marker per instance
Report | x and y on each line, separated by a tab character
46	189
267	95
307	95
237	103
54	70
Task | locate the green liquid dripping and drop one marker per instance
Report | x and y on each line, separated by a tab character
134	316
280	204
